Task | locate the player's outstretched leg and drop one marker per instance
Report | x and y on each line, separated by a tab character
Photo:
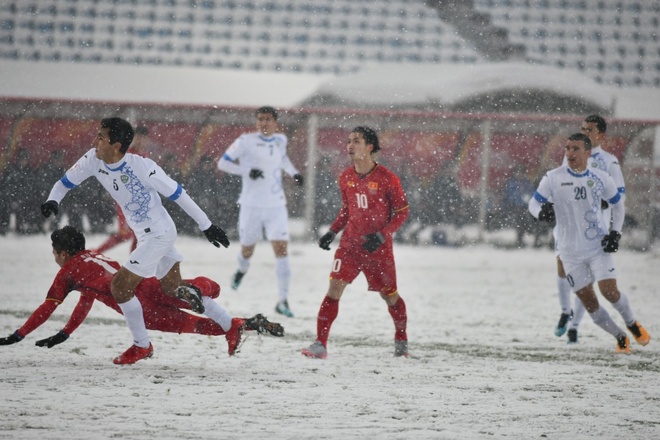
134	354
262	325
192	296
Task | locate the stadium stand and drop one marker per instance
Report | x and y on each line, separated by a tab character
612	41
307	36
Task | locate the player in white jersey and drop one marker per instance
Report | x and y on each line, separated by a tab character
595	128
135	183
260	158
572	194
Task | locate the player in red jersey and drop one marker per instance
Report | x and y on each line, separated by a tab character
374	206
91	274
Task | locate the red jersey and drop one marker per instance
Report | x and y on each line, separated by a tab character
91	273
370	204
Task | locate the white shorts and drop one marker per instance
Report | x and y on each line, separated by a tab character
155	253
253	221
581	273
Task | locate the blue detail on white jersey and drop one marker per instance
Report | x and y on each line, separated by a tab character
538	197
615	199
621	190
573	173
66	182
227	157
139	205
115	169
594	228
177	193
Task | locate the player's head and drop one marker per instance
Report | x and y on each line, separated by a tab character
68	239
594	126
580	137
370	137
601	125
267	110
119	130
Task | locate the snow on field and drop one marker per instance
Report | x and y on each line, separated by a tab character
484	361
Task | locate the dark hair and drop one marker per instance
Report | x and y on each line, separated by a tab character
599	121
267	109
68	239
119	130
141	130
369	135
581	137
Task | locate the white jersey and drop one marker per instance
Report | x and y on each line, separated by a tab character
577	205
254	151
602	160
134	183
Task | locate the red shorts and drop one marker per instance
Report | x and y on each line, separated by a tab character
378	267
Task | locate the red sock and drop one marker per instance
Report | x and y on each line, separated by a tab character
400	318
327	314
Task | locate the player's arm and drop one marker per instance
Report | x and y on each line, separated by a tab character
38	317
71	179
617	176
540	198
337	225
229	162
400	209
79	314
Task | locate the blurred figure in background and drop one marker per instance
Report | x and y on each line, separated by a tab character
518	189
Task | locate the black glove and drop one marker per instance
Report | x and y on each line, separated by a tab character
57	338
217	236
373	241
603	204
256	174
11	339
610	242
324	242
299	179
49	207
547	213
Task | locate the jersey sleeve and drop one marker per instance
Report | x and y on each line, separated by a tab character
228	161
73	177
399	205
617	176
541	195
79	314
158	179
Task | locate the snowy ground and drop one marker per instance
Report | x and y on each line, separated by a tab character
484	364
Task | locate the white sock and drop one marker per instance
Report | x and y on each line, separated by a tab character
243	263
578	313
564	292
283	271
132	310
603	320
217	313
623	307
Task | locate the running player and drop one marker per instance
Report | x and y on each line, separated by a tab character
573	194
374	206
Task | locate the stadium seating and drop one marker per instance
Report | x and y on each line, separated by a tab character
313	36
613	41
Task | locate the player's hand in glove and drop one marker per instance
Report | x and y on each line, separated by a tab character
217	236
256	174
610	242
547	213
324	242
299	179
49	207
11	339
373	241
57	338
